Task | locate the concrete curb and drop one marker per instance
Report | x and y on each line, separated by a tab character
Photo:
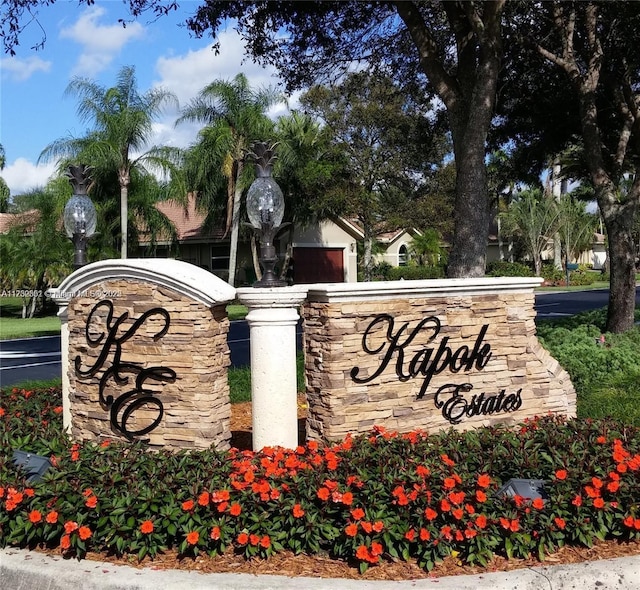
26	570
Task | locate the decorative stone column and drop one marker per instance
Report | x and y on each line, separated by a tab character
273	316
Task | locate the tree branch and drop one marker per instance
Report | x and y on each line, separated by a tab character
444	84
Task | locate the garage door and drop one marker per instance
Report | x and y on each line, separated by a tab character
318	265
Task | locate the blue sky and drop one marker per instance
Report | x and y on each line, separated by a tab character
89	42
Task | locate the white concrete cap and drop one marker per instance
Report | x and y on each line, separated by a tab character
187	279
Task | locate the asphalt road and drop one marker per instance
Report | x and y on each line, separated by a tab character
39	358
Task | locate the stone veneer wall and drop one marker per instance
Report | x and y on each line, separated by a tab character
334	324
197	409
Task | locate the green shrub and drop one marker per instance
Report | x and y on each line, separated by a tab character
376	496
592	358
580	278
553	275
502	268
414	273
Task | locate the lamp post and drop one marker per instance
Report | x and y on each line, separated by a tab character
79	213
265	207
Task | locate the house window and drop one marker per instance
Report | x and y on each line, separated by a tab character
219	258
403	256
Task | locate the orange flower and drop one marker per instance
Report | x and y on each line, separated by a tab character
449	483
203	498
347	498
481	521
367	527
362	553
84	532
422	471
561	474
192	537
92	502
65	542
481	496
592	492
613	486
538	503
146	527
456	497
2	412
577	501
35	516
458	513
70	526
215	533
510	525
444	505
265	542
621	468
484	480
298	512
52	517
430	514
425	535
447	461
376	548
323	493
357	513
378	525
598	503
597	482
351	530
601	440
560	523
243	538
235	509
254	539
188	505
470	533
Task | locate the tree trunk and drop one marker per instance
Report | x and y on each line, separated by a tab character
622	287
368	254
471	223
124	213
469	95
235	226
255	258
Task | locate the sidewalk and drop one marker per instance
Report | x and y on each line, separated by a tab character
25	570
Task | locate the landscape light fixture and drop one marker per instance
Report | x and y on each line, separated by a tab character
265	207
79	213
530	489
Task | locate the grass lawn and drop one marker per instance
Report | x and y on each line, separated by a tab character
13	326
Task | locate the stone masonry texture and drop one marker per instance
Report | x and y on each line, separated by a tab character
474	361
195	410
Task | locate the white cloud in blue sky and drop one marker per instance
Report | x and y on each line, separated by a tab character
100	43
15	69
89	42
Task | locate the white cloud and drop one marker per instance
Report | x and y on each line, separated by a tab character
22	175
19	70
185	75
101	43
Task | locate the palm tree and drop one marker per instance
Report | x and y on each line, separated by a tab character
235	117
533	216
4	189
122	121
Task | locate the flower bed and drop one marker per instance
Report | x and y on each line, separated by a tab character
373	497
